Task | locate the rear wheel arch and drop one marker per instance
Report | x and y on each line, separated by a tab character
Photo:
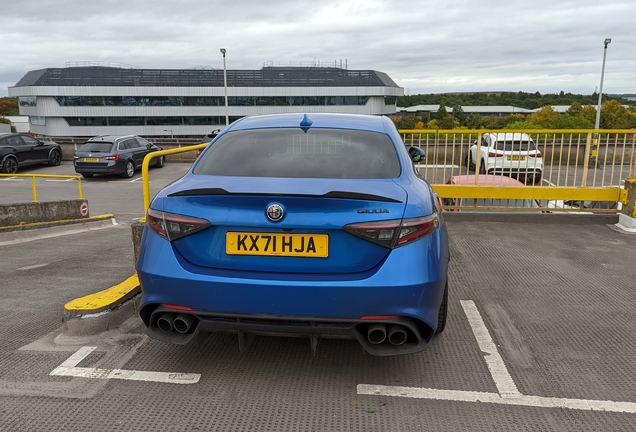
128	171
9	164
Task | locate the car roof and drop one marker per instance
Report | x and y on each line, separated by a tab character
108	138
318	120
484	180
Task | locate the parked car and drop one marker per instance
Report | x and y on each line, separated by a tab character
587	206
114	154
511	154
482	204
18	150
298	226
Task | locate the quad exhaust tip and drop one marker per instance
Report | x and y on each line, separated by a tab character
172	322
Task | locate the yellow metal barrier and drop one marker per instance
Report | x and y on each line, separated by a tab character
145	164
569	169
54	176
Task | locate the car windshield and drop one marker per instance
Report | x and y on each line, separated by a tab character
96	147
292	153
515	145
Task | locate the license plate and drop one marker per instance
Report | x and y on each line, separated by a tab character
271	244
519	158
91	159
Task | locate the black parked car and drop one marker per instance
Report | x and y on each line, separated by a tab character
19	150
114	154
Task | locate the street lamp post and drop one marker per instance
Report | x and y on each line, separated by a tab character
227	119
606	42
169	130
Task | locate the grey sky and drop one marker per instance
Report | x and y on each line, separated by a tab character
425	46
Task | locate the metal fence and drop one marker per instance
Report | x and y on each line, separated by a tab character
564	170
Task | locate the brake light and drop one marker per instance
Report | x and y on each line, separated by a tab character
537	154
493	154
115	158
396	232
378	317
174	226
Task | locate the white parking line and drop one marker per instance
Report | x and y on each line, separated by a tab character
508	392
12	179
69	368
60	180
496	365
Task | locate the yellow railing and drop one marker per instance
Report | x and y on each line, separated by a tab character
145	165
54	176
577	164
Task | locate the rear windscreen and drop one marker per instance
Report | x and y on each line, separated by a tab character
97	147
515	145
292	153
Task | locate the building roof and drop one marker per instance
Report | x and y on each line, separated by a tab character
265	77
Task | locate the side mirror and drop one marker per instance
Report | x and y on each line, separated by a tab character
417	154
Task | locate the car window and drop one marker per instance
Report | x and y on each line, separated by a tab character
142	142
516	145
96	147
132	143
292	153
30	140
15	141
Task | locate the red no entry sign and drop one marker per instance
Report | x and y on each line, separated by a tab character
84	209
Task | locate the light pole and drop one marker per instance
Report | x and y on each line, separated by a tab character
169	130
227	119
606	42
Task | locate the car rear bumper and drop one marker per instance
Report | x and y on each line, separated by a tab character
518	173
407	286
88	168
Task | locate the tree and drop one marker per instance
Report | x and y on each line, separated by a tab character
588	112
544	117
474	121
9	107
522	125
459	114
575	109
630	119
567	121
613	115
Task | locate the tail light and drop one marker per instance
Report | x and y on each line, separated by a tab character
174	226
396	232
493	154
115	158
537	154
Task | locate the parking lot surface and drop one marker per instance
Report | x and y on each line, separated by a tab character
540	337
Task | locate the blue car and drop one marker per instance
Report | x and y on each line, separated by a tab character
313	226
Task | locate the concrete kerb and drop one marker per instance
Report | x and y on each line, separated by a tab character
105	310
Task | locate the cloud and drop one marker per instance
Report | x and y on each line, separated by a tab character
425	46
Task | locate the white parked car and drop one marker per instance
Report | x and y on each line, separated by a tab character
511	154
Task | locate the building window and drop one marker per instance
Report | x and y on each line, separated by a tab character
30	101
146	121
37	120
173	101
